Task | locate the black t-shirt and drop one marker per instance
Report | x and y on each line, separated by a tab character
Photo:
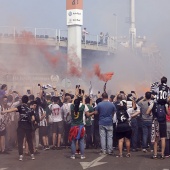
25	114
163	92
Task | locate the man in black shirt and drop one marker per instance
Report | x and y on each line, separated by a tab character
26	116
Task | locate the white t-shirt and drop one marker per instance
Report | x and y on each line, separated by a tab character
56	113
86	109
131	111
66	112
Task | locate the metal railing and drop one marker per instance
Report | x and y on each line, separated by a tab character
54	34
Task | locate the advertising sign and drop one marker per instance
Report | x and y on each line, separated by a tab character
75	17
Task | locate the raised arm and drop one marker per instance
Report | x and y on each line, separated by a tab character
9	111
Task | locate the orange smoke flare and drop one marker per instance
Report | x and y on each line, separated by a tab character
104	77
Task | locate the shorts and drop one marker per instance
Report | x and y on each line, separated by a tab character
163	130
3	133
43	131
126	134
57	127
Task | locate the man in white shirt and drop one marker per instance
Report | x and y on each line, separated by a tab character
66	114
84	33
57	126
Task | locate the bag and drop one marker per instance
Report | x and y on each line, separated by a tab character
123	123
160	113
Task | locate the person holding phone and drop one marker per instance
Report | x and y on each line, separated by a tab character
77	131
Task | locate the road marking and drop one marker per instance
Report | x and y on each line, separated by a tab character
3	168
86	165
165	169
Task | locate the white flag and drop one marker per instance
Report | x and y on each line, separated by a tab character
90	90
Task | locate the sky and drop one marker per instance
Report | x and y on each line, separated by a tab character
152	18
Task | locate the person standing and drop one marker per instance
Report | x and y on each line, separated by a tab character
84	34
106	109
101	38
146	122
123	128
57	126
24	126
159	109
66	114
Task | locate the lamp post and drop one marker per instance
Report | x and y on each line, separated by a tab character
115	29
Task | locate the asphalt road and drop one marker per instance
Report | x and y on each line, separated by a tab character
60	160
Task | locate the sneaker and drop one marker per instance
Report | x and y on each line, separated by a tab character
82	157
167	156
47	147
154	157
73	157
162	157
21	158
32	157
119	156
128	155
144	150
103	153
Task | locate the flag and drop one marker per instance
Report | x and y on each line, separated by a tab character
90	90
104	88
154	86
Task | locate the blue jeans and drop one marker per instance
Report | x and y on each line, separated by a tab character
146	128
81	146
106	131
134	138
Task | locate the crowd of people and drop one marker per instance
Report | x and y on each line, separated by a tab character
123	121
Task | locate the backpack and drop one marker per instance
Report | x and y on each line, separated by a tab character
160	113
122	124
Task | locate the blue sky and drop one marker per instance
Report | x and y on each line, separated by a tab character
98	14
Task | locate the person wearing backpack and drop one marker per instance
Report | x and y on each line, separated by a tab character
159	126
123	125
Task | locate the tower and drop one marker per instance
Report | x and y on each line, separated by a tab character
74	22
132	30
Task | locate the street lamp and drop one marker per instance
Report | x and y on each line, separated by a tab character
115	28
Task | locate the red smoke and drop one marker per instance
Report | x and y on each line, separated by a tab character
104	77
27	38
74	63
